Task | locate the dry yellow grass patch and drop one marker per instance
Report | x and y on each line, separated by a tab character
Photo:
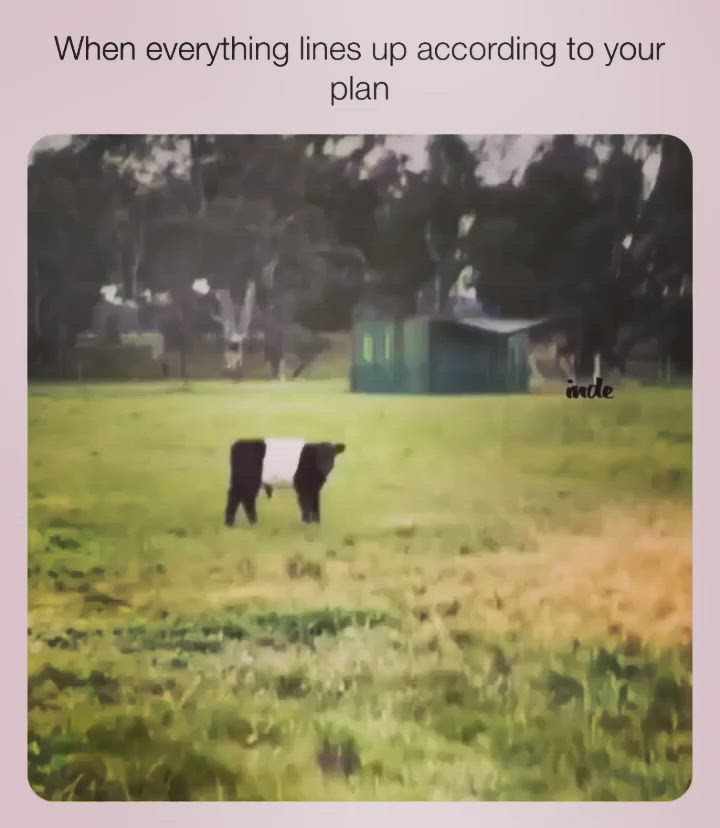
632	580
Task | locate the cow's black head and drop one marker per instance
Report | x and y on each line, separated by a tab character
326	454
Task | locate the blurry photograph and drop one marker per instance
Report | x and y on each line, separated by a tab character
359	468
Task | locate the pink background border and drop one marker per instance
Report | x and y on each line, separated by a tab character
42	96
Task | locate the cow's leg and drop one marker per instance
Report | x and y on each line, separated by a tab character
233	501
316	507
248	503
306	506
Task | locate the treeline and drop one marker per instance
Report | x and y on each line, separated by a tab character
580	227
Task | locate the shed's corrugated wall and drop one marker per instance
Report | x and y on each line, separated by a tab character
376	357
466	360
423	356
518	366
415	376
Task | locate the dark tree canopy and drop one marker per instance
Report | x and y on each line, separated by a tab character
317	229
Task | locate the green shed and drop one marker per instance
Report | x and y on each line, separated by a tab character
427	355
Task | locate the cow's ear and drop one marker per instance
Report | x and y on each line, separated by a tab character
339	448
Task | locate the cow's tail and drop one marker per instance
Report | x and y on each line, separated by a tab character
268	490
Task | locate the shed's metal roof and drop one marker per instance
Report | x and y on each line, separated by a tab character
501	326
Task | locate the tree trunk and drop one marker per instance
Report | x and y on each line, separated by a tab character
138	249
183	346
183	361
196	173
183	335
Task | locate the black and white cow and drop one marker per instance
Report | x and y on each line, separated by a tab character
279	463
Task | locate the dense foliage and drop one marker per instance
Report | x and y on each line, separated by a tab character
319	228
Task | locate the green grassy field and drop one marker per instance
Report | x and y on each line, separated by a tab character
496	606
